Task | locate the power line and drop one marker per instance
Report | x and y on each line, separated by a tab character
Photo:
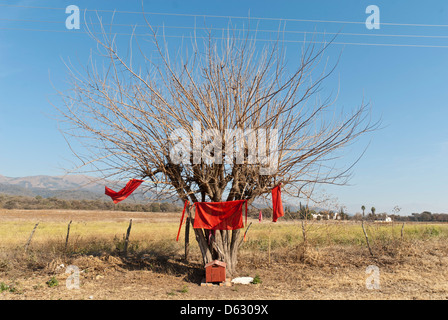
231	17
255	30
219	38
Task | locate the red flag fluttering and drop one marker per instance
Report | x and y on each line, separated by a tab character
125	192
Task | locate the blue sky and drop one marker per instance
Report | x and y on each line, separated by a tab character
405	81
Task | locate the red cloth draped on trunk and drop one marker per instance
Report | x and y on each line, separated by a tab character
277	206
125	192
220	215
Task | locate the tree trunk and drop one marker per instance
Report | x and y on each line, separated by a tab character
219	245
225	248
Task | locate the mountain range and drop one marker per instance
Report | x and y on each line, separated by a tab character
63	187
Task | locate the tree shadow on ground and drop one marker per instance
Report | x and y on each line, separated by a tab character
192	271
156	259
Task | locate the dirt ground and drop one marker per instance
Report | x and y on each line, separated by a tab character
108	278
337	272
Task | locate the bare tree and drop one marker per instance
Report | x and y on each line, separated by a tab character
131	117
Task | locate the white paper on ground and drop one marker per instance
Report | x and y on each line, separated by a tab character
243	280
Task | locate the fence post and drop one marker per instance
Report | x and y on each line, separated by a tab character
187	238
402	228
126	241
31	236
68	233
367	238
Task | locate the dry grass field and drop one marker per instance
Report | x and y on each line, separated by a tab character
331	264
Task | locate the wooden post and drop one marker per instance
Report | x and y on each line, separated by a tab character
68	233
31	236
367	238
187	237
402	229
269	244
126	241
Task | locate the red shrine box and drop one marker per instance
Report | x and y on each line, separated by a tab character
215	271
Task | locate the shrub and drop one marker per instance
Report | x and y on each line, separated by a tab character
53	282
256	280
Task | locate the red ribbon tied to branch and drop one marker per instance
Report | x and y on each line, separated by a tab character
125	192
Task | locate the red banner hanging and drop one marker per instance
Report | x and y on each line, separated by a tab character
220	215
277	206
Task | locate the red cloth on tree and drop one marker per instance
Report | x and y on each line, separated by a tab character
277	206
182	219
125	192
220	215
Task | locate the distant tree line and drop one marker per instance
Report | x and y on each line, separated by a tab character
303	212
39	203
424	216
308	213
